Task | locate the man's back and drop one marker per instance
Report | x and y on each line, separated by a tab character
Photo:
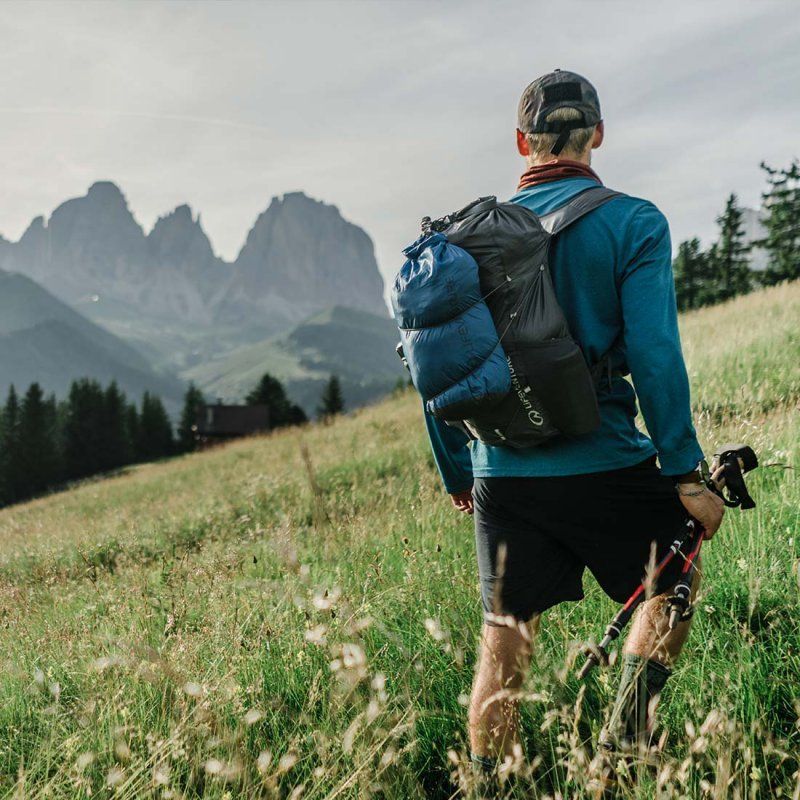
613	278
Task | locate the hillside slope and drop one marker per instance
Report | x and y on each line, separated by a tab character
301	609
42	339
357	346
54	354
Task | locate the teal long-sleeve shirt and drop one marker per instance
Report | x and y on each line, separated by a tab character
612	272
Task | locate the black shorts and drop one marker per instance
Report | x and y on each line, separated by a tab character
553	528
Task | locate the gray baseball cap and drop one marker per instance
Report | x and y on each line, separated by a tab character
558	89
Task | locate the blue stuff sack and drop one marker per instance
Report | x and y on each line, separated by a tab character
449	339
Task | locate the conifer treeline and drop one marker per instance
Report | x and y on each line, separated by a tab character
45	443
723	271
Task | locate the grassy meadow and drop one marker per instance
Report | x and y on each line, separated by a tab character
296	615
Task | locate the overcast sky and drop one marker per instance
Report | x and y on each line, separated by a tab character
389	110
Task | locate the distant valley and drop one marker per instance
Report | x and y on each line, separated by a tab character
357	346
303	299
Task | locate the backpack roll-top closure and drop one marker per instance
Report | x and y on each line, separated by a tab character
479	206
475	208
506	240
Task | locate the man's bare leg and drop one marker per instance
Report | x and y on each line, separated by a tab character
504	658
649	653
650	636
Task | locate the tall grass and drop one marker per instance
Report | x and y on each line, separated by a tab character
296	615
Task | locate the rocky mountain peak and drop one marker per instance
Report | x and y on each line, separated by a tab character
183	213
300	256
178	240
34	231
106	192
303	251
301	199
31	250
99	221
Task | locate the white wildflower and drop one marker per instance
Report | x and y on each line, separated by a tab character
84	760
287	761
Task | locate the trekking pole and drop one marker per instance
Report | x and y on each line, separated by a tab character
598	654
729	465
679	606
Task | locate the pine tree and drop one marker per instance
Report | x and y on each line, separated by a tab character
37	465
782	205
193	401
131	417
270	392
732	263
691	275
114	446
331	402
55	413
155	431
83	438
712	290
2	458
10	450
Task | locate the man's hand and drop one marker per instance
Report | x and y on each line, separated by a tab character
705	506
463	501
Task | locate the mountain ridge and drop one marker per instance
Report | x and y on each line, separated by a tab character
299	256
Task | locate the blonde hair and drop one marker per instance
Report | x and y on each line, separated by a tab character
541	144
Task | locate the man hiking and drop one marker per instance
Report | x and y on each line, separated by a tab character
599	501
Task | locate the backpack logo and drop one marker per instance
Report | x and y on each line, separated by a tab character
534	416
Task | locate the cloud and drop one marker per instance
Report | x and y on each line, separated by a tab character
389	110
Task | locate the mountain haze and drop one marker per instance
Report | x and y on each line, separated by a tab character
44	340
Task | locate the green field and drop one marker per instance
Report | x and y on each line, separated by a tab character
296	615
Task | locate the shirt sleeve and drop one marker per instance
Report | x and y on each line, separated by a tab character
451	454
652	342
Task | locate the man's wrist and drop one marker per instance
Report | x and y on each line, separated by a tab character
698	475
688	477
690	489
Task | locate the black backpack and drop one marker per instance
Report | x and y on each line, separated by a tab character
553	388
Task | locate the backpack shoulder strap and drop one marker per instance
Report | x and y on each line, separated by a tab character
588	200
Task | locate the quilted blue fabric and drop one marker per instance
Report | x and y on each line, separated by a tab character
456	360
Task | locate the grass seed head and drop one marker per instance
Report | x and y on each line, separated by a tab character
115	776
193	689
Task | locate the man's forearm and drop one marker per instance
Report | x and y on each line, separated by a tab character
451	454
